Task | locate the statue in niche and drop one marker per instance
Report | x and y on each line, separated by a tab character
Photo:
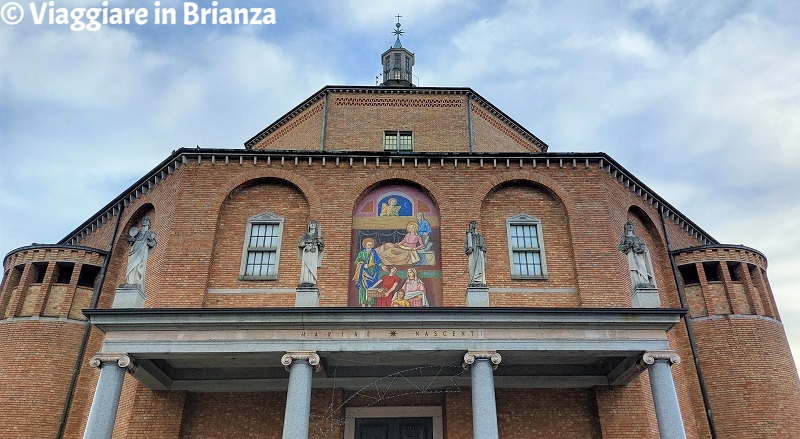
142	244
310	249
638	260
475	248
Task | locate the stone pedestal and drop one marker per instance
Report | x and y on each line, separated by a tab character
645	297
307	296
478	296
129	296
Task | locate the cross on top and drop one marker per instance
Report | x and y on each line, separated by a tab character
398	31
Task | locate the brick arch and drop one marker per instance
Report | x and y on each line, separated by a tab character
651	227
397	174
547	183
121	242
305	187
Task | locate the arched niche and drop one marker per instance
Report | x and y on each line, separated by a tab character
395	246
253	201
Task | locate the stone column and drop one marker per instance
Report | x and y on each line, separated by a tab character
484	409
106	396
300	365
665	399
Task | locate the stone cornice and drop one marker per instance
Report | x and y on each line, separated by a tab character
110	320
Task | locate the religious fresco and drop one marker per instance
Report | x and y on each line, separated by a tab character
395	249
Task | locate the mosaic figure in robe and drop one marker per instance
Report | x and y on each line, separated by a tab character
368	264
405	251
414	290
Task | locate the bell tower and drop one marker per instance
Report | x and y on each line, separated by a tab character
397	63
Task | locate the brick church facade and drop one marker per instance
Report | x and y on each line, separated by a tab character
318	284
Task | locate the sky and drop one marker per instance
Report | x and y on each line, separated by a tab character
698	99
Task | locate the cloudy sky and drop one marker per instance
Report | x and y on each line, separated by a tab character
699	99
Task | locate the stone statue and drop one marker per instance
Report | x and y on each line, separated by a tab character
310	249
634	247
475	248
143	242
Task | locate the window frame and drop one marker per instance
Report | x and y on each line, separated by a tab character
266	218
399	135
526	220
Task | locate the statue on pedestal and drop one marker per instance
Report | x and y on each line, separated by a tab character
475	248
310	249
638	260
142	244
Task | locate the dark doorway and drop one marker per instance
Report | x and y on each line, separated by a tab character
394	428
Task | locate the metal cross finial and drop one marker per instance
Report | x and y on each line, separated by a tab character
398	31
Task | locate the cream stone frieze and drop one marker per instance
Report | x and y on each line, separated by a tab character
122	360
310	356
650	357
471	356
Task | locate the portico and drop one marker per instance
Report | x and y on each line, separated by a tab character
235	350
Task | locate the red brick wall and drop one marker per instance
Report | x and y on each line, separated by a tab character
490	134
751	380
199	215
356	121
303	132
229	415
35	371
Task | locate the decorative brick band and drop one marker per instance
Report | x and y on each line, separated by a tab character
398	102
503	128
282	131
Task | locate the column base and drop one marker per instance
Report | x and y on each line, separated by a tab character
478	296
645	297
129	296
307	296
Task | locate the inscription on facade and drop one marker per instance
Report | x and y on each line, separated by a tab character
393	333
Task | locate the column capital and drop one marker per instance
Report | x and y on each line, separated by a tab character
650	357
471	356
310	356
122	360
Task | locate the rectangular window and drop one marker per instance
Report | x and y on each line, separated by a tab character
39	269
526	251
398	141
64	272
262	247
88	276
397	60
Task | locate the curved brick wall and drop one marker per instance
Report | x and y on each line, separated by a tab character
41	328
750	375
749	372
37	362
